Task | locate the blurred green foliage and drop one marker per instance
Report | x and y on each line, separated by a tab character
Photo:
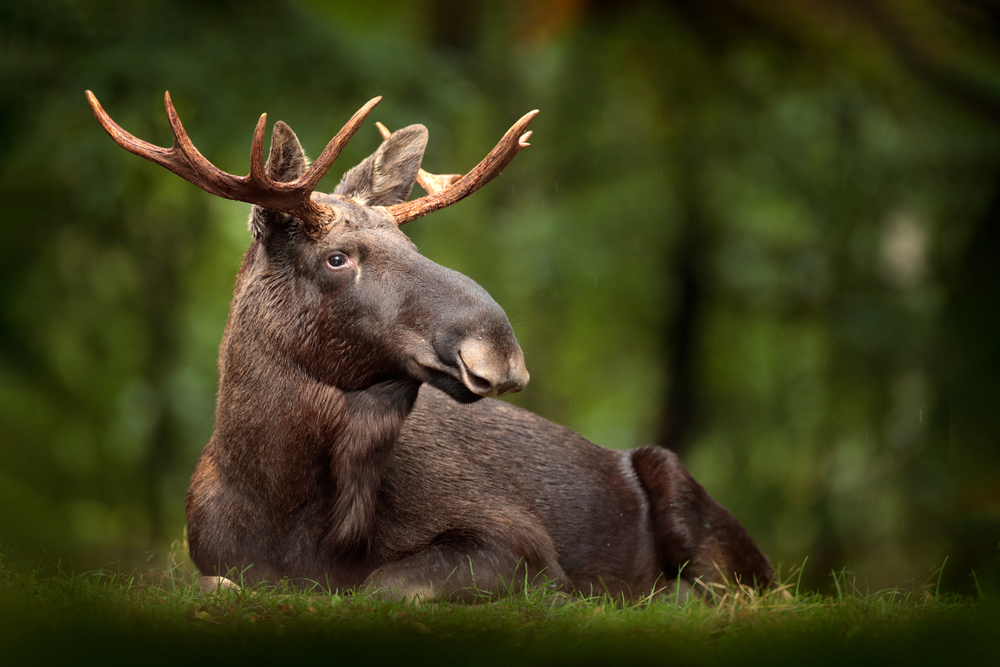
758	233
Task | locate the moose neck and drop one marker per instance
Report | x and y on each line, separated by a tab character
307	438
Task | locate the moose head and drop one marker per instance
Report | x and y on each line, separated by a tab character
358	304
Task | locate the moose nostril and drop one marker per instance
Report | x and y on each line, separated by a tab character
477	384
477	363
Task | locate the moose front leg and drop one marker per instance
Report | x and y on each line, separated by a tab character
695	535
461	570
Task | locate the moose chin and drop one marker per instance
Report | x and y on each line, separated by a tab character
357	442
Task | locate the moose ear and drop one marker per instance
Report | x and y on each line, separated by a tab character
387	176
286	162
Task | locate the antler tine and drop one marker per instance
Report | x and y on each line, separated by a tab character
127	141
187	162
325	160
255	188
305	209
510	145
431	183
258	172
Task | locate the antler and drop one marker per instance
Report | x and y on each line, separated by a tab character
447	189
293	197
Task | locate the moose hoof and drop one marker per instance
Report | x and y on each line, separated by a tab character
414	594
212	584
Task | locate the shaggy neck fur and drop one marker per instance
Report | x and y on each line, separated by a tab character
305	440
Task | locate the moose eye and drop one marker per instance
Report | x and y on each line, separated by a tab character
336	260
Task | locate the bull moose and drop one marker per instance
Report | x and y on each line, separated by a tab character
353	446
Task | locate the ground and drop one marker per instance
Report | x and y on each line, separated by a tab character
164	618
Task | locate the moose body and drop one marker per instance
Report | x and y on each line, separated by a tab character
357	443
475	498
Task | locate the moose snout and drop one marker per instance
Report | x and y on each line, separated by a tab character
487	373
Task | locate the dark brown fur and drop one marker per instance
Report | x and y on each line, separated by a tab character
351	448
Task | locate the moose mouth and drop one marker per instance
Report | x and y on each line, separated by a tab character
449	384
460	382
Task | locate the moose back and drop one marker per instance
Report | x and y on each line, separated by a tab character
353	446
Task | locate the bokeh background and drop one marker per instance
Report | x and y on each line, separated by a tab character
763	234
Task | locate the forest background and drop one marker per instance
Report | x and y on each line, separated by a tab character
763	234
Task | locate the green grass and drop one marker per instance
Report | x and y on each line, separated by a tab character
163	618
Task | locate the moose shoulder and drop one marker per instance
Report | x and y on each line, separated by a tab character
352	446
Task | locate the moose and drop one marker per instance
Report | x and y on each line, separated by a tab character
358	443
